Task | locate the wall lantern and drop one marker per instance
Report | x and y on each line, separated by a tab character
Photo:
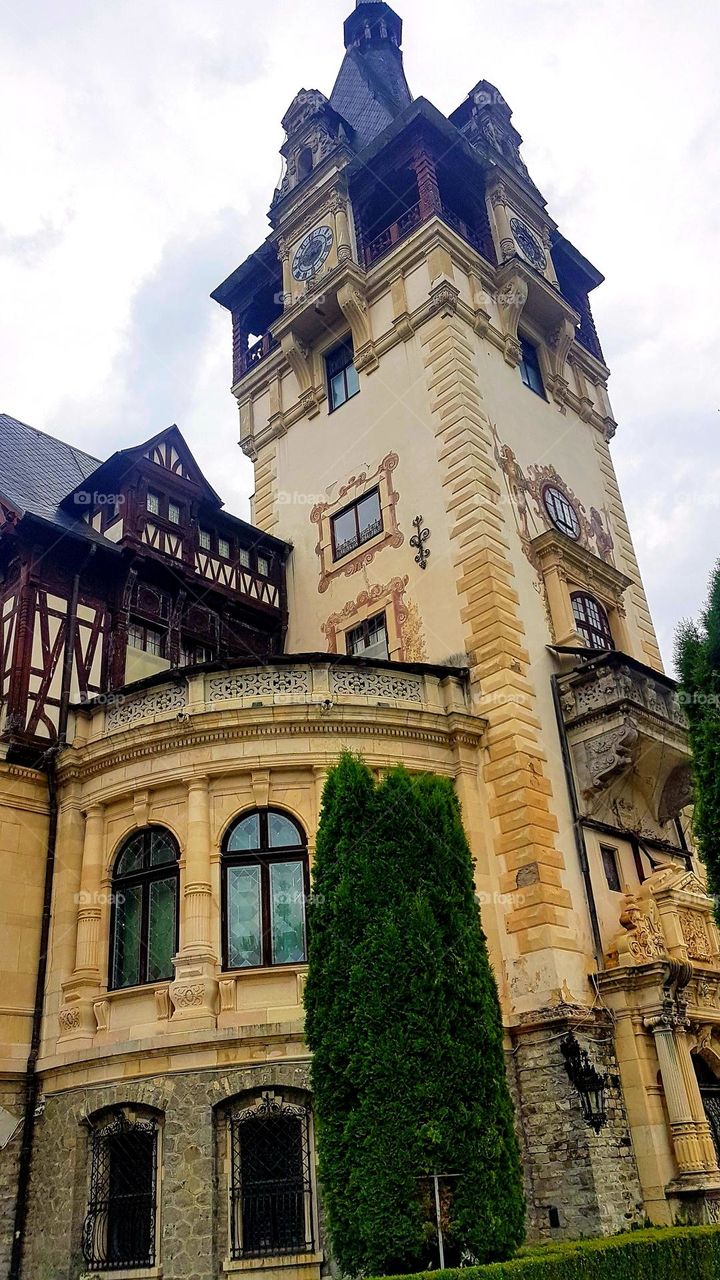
588	1081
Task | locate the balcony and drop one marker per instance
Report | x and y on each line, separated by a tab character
412	218
247	359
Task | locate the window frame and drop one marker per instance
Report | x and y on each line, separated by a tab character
244	1113
151	494
552	492
113	1122
174	506
147	628
353	506
224	542
530	359
345	344
364	626
145	878
594	634
610	854
264	857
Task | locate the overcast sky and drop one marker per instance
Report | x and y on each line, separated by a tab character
139	151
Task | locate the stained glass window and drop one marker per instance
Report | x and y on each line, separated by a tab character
265	881
144	909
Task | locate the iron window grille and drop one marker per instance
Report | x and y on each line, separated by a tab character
120	1227
271	1209
530	368
369	638
356	524
265	887
709	1085
561	512
342	378
591	621
144	924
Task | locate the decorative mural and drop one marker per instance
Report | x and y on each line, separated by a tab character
353	489
406	640
531	491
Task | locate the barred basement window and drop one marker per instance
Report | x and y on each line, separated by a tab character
120	1228
143	932
271	1209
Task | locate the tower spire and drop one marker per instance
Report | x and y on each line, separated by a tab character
371	89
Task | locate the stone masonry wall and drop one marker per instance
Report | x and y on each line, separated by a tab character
192	1245
11	1098
578	1183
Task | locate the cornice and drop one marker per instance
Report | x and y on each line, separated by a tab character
552	547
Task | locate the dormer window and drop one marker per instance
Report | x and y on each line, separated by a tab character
173	513
224	548
204	539
153	503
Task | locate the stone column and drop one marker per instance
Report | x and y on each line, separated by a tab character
342	233
76	1017
704	1136
690	1157
194	991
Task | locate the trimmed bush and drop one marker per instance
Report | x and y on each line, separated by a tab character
671	1253
404	1025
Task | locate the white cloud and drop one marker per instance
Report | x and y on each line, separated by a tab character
139	154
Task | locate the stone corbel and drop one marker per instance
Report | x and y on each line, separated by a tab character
194	993
559	343
605	757
480	304
354	307
300	358
444	298
511	299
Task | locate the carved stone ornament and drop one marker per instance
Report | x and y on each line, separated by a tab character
510	300
259	682
128	711
695	935
643	940
604	758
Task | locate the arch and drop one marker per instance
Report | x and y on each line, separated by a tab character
265	885
304	163
591	621
145	906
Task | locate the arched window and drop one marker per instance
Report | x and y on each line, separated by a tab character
120	1226
304	164
271	1208
591	621
265	886
145	909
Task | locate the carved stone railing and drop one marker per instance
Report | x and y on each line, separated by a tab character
628	741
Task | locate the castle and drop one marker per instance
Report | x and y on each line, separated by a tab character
440	573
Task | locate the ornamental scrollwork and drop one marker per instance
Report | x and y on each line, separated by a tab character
127	711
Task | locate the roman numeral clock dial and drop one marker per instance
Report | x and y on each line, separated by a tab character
311	253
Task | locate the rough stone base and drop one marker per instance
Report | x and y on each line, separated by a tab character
11	1098
578	1183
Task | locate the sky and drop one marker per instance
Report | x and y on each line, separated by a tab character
139	152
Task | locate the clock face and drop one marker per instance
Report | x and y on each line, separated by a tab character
528	244
311	253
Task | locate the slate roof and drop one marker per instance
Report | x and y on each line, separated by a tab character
371	89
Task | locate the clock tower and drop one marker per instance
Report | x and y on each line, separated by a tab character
423	394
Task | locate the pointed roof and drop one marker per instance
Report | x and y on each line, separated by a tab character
371	89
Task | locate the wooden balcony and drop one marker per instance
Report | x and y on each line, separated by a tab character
412	218
245	360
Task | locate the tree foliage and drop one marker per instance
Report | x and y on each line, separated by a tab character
698	661
404	1025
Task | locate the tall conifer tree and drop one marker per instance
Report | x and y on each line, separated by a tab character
698	660
404	1024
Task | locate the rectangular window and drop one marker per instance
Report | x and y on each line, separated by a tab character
146	638
224	548
342	378
192	653
173	512
530	368
263	566
369	639
153	503
204	539
357	524
243	558
610	865
270	1186
287	912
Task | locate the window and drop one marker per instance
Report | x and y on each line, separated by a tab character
304	163
143	935
369	639
591	621
192	653
358	523
146	638
342	378
610	865
265	886
561	511
173	512
263	566
224	548
153	503
120	1225
530	368
204	539
243	558
270	1180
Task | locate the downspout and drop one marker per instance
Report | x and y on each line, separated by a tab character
579	833
32	1087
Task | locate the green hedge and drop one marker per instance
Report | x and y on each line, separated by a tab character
666	1253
